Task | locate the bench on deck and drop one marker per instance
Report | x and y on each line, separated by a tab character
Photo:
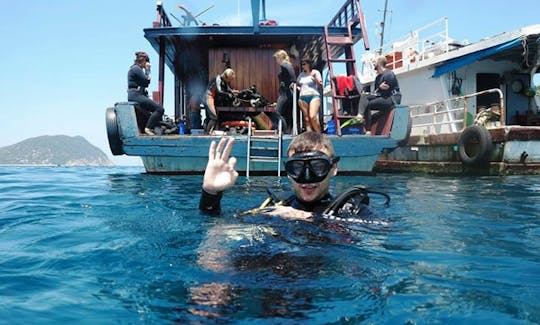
381	122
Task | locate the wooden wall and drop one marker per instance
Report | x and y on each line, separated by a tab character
253	66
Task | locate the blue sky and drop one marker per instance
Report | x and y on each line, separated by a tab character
65	61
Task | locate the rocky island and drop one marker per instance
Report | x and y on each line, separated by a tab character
54	150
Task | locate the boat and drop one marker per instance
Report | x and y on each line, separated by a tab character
196	52
474	107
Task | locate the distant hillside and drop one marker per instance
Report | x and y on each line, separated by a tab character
54	150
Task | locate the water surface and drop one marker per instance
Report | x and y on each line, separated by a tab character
114	245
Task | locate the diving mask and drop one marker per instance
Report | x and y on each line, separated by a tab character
309	166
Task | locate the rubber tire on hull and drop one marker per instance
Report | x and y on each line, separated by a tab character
475	146
115	143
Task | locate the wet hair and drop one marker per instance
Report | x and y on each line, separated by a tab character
307	60
140	56
282	55
381	60
309	141
228	73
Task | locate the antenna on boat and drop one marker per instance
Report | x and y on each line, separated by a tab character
382	25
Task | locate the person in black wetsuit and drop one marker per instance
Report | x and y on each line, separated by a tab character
138	78
385	95
310	167
286	77
218	93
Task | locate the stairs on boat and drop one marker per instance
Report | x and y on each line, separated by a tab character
340	50
264	146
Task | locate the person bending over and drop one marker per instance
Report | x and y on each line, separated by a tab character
138	79
218	93
385	95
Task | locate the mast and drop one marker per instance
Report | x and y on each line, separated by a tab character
382	25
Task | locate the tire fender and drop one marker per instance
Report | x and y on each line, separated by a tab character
113	134
475	146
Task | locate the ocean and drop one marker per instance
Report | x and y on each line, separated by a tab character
116	246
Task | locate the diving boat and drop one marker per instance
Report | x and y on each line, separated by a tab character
474	107
196	53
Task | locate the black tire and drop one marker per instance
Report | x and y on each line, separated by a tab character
115	143
475	146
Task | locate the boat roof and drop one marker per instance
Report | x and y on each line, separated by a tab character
308	40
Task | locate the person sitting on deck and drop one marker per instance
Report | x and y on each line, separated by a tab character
138	79
218	93
385	95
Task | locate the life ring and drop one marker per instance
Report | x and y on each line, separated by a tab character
115	143
475	145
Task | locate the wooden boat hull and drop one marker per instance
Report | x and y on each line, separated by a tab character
188	154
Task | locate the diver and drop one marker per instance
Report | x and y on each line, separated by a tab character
310	166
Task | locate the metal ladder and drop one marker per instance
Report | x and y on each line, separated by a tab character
264	147
349	17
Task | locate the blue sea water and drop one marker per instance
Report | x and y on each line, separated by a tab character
117	246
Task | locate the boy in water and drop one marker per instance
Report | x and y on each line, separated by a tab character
310	167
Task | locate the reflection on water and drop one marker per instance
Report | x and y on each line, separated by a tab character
111	245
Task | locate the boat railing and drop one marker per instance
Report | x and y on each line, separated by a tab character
162	20
448	116
350	16
420	44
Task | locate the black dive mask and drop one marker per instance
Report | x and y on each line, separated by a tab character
309	166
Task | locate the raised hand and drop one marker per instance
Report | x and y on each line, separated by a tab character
220	173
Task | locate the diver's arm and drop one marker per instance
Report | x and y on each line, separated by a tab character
219	174
210	202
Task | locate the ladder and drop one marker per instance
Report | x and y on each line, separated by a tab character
264	146
341	43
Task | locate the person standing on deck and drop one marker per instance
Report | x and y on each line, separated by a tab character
286	77
138	79
385	95
309	82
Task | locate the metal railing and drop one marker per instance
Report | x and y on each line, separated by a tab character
448	116
162	20
420	44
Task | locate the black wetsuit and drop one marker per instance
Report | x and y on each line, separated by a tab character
212	203
138	80
381	100
284	104
218	93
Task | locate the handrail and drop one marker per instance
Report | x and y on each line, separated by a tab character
350	15
162	20
434	110
420	44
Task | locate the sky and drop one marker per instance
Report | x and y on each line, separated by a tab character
65	61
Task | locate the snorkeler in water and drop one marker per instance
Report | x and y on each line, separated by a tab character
310	166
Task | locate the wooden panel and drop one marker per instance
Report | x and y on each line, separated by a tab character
253	66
